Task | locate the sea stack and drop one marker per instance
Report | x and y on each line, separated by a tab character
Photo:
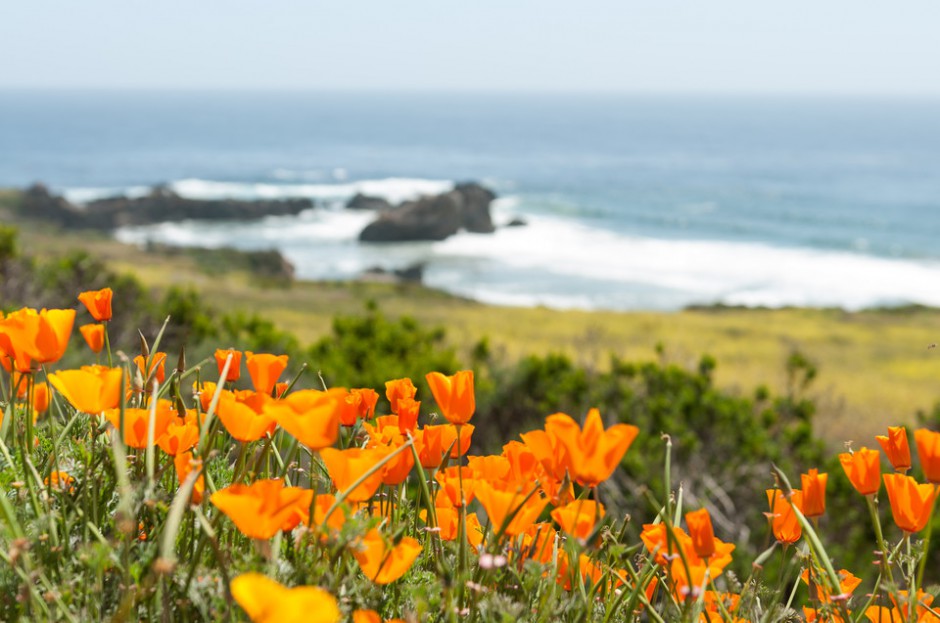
436	217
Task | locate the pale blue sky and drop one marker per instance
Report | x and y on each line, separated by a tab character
805	46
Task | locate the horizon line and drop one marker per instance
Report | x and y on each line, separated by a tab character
275	90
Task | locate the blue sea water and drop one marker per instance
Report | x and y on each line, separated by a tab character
632	202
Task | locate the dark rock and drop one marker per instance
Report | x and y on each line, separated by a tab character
375	270
517	222
476	207
428	218
413	273
161	205
436	217
39	203
365	202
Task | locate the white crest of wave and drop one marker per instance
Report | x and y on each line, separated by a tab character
704	271
81	196
271	232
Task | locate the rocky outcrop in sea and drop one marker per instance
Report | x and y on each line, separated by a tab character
436	217
159	206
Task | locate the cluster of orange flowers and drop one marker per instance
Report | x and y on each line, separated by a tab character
911	502
494	506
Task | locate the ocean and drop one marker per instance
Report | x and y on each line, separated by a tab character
631	201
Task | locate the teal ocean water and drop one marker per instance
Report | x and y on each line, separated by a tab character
632	202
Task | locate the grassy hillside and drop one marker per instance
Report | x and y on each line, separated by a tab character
875	367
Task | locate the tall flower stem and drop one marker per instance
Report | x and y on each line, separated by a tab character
882	545
107	345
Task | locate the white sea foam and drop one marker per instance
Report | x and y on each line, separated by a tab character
81	196
694	271
556	261
316	225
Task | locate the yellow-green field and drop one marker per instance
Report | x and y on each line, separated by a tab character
875	368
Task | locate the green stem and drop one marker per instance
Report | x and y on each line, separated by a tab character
879	535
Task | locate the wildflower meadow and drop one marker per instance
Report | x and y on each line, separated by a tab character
146	487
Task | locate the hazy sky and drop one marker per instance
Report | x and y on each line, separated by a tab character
815	46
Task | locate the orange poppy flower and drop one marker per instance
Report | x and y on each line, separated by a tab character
713	600
204	393
244	414
185	463
897	612
179	437
364	400
500	505
383	427
928	449
136	422
59	480
267	601
579	517
28	336
538	542
235	368
366	616
523	465
863	468
386	433
587	571
786	527
94	336
492	467
701	532
347	466
448	523
371	616
655	538
153	368
593	453
458	447
408	411
911	503
896	447
40	397
847	585
399	389
665	549
450	480
814	493
91	389
380	561
334	523
549	451
311	416
20	382
264	508
396	471
454	395
98	303
430	447
433	441
264	370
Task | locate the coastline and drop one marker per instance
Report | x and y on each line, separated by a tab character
875	366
